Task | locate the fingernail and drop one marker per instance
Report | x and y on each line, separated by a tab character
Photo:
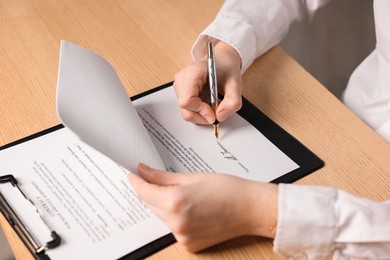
222	116
209	119
143	166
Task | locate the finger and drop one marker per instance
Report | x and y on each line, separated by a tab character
137	182
157	177
190	81
152	195
189	87
197	106
195	110
231	102
193	117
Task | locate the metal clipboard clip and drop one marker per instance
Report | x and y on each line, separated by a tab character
24	233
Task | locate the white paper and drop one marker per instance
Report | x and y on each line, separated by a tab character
92	102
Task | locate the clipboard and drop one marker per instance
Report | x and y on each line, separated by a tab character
20	228
301	155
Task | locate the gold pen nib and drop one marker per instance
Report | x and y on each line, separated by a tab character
216	132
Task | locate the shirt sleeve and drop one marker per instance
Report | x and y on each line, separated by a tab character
317	222
252	27
368	90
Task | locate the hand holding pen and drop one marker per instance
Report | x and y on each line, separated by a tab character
191	81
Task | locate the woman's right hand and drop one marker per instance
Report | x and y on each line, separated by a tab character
191	80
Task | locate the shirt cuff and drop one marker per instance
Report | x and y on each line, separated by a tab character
223	29
307	223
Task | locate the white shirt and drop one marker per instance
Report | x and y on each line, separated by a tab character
318	222
325	223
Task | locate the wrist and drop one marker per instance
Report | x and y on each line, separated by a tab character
229	51
263	214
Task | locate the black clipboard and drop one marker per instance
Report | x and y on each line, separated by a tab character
300	154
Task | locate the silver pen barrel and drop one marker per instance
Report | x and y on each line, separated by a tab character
212	74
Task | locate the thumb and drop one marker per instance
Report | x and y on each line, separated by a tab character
157	177
231	102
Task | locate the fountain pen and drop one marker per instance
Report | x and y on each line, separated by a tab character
213	85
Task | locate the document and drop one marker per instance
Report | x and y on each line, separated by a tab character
83	195
77	175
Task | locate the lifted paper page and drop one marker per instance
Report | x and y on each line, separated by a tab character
92	102
185	147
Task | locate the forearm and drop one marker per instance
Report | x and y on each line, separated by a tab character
262	209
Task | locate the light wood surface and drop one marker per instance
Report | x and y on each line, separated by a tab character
147	42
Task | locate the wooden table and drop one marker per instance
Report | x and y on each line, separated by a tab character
147	42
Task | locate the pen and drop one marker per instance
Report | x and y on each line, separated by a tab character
213	85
